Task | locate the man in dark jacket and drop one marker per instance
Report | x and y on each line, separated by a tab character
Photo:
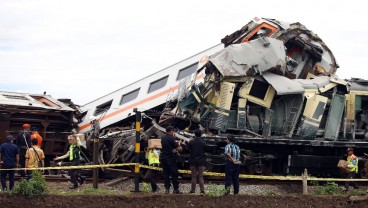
24	143
168	161
197	160
10	159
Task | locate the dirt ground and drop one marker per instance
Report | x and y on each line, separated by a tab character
183	201
121	196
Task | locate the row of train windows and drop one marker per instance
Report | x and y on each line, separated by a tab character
155	85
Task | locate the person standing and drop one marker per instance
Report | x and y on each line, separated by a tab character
197	160
10	159
74	157
36	135
232	167
168	161
351	169
23	142
34	156
153	156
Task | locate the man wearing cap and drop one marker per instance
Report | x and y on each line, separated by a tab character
74	157
168	160
10	159
351	169
232	167
24	143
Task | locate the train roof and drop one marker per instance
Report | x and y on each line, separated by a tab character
29	100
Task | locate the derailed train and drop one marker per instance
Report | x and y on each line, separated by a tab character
274	87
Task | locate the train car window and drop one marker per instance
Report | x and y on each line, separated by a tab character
262	30
158	84
129	96
186	71
102	108
15	97
259	89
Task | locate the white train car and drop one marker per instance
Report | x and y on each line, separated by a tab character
144	94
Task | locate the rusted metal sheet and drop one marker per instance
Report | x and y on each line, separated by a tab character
53	118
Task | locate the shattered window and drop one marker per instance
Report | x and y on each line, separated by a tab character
186	71
262	32
129	96
15	97
103	108
158	84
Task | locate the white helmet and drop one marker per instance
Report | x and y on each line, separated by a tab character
92	118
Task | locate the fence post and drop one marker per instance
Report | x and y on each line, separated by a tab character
305	182
137	147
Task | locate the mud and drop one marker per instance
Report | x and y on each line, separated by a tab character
183	201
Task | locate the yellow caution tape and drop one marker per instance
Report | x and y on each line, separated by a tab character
243	176
75	167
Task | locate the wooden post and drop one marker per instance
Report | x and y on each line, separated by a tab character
305	182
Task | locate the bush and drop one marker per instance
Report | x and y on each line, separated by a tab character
29	188
216	190
146	187
330	188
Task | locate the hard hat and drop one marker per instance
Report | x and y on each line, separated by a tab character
349	149
92	118
26	126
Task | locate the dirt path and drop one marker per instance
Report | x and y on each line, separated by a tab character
182	201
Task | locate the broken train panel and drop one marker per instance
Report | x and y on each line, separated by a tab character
53	118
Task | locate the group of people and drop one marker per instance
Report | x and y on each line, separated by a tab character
24	151
166	157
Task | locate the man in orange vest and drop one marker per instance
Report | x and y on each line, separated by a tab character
36	135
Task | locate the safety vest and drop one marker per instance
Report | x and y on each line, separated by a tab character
71	152
153	158
353	160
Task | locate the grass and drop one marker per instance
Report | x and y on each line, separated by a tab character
330	188
29	188
215	190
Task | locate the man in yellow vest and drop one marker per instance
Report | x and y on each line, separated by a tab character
351	169
153	156
74	157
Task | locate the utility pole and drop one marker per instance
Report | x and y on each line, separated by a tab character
95	136
137	147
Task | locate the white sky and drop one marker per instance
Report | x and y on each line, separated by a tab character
85	49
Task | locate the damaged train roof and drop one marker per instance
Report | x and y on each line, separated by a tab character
29	100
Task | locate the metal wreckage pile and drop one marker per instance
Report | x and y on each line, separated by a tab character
265	86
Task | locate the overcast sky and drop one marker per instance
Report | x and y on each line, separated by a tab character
85	49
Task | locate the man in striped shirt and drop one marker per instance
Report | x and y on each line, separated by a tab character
232	167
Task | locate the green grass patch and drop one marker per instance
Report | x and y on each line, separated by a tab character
216	190
330	188
29	188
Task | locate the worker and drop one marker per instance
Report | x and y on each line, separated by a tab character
197	160
36	135
23	142
75	159
168	160
35	157
351	169
10	159
232	167
153	156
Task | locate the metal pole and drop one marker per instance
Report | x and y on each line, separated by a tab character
95	162
137	147
95	153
